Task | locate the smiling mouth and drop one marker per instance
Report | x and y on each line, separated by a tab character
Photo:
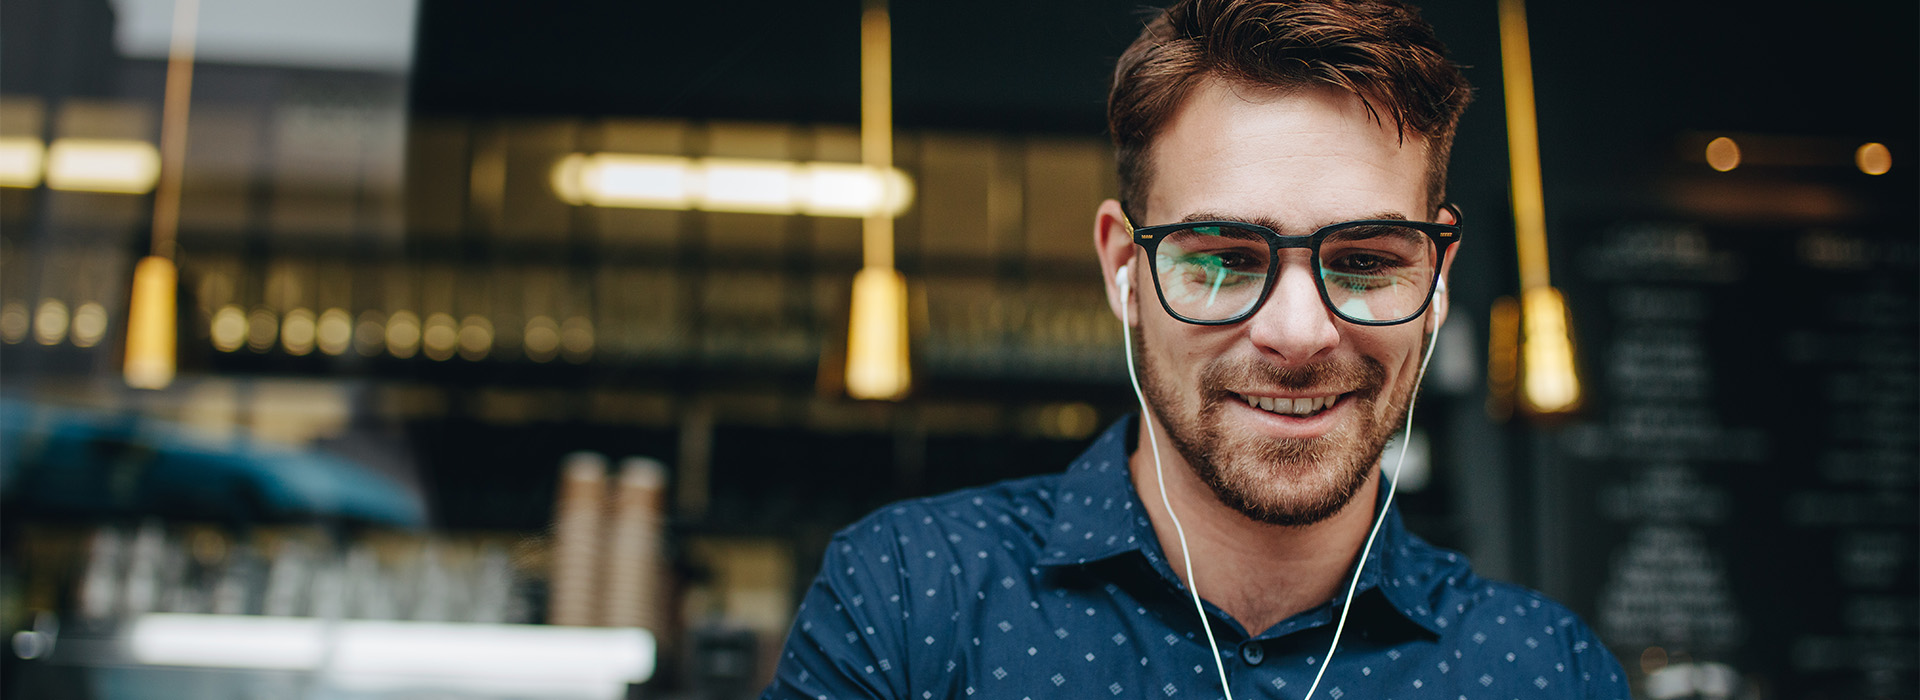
1300	407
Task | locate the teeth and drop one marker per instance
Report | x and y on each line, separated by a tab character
1292	407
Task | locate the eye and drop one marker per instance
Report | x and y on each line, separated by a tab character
1360	263
1235	260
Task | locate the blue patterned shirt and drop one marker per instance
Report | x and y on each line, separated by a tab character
1055	586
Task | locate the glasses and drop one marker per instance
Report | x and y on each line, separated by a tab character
1372	273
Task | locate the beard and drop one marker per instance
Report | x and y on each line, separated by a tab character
1277	481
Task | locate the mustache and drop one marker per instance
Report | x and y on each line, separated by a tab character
1364	376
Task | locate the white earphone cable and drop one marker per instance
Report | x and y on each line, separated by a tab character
1406	440
1193	587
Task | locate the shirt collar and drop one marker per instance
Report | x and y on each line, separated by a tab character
1098	515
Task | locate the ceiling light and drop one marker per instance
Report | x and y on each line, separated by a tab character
731	185
103	165
20	161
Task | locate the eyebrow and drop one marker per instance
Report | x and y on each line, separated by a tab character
1275	224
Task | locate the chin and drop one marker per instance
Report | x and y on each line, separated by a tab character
1286	482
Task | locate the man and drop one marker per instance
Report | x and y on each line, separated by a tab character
1278	254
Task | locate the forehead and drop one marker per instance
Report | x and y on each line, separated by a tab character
1301	157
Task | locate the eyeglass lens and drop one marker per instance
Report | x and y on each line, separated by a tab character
1368	272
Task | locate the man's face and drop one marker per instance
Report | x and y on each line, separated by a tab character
1293	161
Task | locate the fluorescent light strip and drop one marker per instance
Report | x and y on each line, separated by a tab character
20	160
375	655
103	165
228	641
731	185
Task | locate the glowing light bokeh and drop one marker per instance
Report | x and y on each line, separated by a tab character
298	332
403	334
89	324
1873	158
731	185
476	337
440	336
228	328
334	331
1723	154
103	165
50	322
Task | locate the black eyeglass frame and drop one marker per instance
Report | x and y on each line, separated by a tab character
1443	235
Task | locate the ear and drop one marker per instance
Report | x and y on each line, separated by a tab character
1113	242
1437	313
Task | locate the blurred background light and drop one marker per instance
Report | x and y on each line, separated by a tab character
370	334
1653	659
103	165
878	363
542	338
228	641
50	322
835	189
21	158
403	334
620	180
263	328
476	337
1549	383
228	328
1723	154
89	324
576	338
15	321
514	660
439	336
334	332
755	186
731	185
151	331
298	331
548	661
1873	158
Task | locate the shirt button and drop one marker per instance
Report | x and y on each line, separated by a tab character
1253	653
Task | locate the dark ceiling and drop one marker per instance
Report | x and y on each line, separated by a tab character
1840	68
1015	65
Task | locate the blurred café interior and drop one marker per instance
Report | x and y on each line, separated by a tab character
420	348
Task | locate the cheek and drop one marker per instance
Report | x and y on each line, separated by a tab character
1187	347
1177	352
1398	350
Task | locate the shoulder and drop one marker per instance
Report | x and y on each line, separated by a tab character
1510	626
1519	626
1009	514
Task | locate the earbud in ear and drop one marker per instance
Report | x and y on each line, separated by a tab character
1443	285
1124	278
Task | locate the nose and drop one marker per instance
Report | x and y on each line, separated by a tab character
1294	326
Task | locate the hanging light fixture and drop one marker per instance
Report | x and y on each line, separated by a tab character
878	360
1547	382
151	337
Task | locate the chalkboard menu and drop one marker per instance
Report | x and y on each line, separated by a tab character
1739	497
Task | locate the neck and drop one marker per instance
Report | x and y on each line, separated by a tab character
1258	573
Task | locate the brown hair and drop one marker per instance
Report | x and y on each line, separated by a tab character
1379	50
